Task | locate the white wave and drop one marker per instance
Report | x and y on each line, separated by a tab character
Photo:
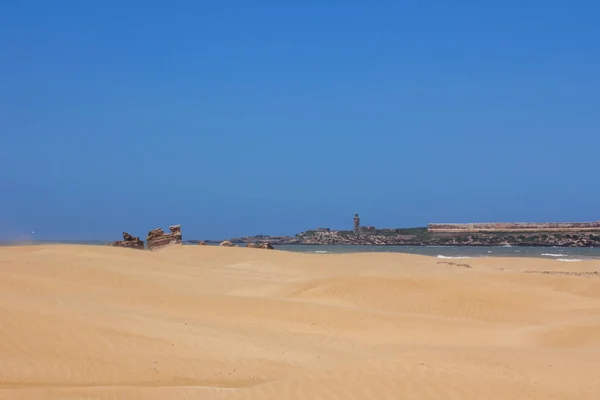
553	255
322	251
569	259
455	258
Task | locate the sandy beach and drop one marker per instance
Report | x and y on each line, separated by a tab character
187	322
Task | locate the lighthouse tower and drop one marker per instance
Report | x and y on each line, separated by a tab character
356	223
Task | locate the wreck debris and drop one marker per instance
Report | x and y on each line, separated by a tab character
129	241
158	238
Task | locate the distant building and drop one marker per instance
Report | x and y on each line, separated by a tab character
367	229
322	230
356	223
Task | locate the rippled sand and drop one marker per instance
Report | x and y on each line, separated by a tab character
82	322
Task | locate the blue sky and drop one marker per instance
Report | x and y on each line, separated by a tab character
245	117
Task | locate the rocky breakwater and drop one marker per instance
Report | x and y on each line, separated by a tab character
422	237
260	239
129	241
158	238
349	238
526	239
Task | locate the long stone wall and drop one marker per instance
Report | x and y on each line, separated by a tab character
515	226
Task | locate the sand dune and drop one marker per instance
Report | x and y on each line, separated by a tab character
186	322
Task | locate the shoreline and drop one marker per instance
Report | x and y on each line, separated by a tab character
216	243
549	253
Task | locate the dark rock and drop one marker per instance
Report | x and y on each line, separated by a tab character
259	246
129	241
158	238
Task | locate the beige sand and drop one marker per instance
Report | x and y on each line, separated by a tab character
79	322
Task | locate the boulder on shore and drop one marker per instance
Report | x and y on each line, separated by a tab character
266	246
202	243
158	238
252	246
129	241
227	243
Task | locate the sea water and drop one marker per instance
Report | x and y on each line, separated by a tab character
457	252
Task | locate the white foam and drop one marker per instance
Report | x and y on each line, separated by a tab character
322	251
569	259
553	255
455	258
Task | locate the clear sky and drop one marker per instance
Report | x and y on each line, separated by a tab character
245	117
